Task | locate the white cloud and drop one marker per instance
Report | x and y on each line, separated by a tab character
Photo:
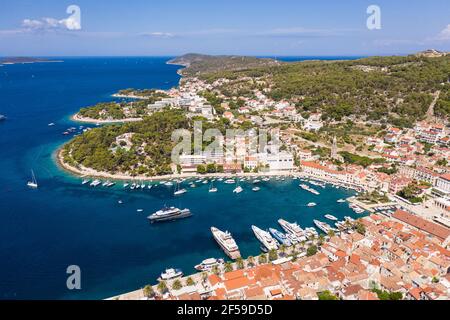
48	24
444	35
159	34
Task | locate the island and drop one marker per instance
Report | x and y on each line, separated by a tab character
346	113
25	60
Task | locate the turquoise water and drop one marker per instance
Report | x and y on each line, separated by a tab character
64	223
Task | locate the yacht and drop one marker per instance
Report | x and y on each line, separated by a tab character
169	214
125	185
226	242
2	117
280	237
311	233
33	183
325	227
312	204
171	274
85	181
230	181
95	183
341	201
331	217
238	189
292	229
209	264
256	189
265	238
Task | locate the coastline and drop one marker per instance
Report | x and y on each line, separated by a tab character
87	172
78	118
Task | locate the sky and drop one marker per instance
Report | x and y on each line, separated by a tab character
244	27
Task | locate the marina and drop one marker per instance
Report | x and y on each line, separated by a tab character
68	207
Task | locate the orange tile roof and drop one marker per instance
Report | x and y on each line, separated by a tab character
233	274
214	279
238	283
430	227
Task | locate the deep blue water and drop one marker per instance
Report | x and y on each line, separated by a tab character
63	223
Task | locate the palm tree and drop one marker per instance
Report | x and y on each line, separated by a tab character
162	287
190	282
215	269
240	263
321	238
177	285
250	261
205	275
148	291
331	233
262	259
282	249
228	267
273	255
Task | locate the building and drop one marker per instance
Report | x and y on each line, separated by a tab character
443	184
281	161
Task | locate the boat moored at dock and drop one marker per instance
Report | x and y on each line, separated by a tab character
209	264
171	274
280	237
226	242
265	238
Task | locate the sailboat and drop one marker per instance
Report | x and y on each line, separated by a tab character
212	189
33	183
179	191
238	188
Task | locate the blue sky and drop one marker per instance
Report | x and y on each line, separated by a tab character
283	27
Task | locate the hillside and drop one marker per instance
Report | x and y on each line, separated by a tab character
197	64
395	89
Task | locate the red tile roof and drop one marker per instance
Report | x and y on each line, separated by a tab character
432	228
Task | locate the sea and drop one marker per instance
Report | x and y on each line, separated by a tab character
63	223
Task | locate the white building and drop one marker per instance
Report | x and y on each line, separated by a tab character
282	161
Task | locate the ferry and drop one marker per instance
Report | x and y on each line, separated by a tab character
265	238
169	214
312	204
292	229
171	274
95	183
280	237
226	242
209	264
331	217
325	227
